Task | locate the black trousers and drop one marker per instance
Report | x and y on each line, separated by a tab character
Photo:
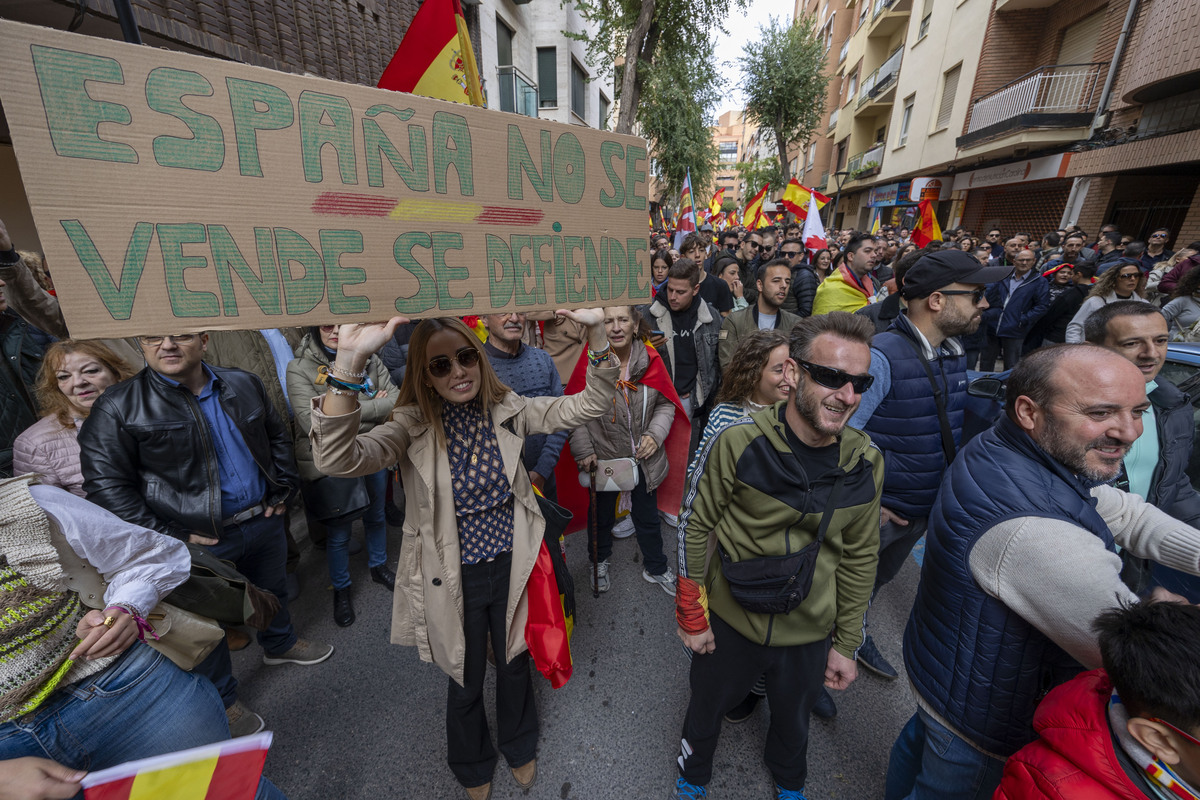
644	511
469	748
722	678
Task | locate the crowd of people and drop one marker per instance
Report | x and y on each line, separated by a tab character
796	420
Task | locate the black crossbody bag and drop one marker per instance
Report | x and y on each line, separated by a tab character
778	584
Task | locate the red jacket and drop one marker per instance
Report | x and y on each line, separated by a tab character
1073	758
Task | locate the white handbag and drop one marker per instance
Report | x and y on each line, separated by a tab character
617	474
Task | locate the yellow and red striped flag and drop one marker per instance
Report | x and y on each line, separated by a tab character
927	229
754	208
435	58
714	208
795	198
228	770
686	222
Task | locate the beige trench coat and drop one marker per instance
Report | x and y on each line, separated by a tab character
428	607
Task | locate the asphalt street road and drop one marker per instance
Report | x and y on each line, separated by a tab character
370	721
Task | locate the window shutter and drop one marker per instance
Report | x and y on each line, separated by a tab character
949	89
1079	40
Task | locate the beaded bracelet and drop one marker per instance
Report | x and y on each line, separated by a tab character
340	392
596	358
348	373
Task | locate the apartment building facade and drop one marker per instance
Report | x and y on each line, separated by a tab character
732	136
526	63
1018	113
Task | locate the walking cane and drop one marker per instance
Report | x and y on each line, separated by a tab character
592	530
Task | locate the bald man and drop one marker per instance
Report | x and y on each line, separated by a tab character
1021	557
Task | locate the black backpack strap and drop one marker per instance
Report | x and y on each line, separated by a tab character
949	450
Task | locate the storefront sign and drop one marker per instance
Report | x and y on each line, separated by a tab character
930	189
1035	169
892	194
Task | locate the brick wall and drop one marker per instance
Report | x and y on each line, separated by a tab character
345	40
1164	42
1032	207
1190	230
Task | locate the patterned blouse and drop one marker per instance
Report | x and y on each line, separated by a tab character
483	498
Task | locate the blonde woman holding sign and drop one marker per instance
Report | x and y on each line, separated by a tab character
473	530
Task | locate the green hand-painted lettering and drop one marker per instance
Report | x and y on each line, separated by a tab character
185	302
228	261
204	150
301	294
256	107
426	295
117	297
443	242
377	146
570	169
519	161
502	283
72	115
541	266
452	128
634	176
333	245
609	149
326	119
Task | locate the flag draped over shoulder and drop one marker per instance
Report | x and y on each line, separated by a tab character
796	196
435	58
754	208
670	492
927	229
227	770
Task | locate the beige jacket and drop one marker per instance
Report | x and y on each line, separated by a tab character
427	610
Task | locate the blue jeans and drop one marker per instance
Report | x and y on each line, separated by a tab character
337	543
928	761
141	706
258	548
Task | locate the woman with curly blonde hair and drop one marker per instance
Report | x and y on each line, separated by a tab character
755	379
1124	280
74	373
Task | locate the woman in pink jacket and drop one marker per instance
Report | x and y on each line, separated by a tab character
74	373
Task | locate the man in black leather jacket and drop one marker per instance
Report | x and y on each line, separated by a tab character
199	453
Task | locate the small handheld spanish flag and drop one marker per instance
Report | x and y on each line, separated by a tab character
228	770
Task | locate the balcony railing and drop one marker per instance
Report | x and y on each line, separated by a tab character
1056	89
883	78
517	92
866	163
880	7
845	51
833	118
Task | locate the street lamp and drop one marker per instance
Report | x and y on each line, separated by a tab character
840	177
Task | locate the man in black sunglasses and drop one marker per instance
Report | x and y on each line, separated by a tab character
914	411
749	257
789	477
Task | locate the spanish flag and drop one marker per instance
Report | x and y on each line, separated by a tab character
754	208
795	198
435	58
228	770
714	208
927	229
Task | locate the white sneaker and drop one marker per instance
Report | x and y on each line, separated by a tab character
602	583
666	581
671	519
623	529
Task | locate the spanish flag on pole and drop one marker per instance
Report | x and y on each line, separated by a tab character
687	213
714	208
227	770
795	198
435	58
754	208
927	229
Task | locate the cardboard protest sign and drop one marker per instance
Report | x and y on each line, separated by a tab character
174	193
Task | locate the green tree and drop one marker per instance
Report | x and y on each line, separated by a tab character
642	35
759	172
674	119
784	82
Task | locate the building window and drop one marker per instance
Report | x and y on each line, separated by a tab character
841	155
926	16
604	104
862	14
547	67
949	89
504	43
578	96
852	87
906	120
812	156
728	152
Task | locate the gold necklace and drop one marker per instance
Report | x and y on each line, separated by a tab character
472	445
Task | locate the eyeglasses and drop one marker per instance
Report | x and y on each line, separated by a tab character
1182	733
790	253
1158	236
1129	276
466	357
755	245
832	378
178	338
976	294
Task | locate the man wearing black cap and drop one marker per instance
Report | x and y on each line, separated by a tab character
914	410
